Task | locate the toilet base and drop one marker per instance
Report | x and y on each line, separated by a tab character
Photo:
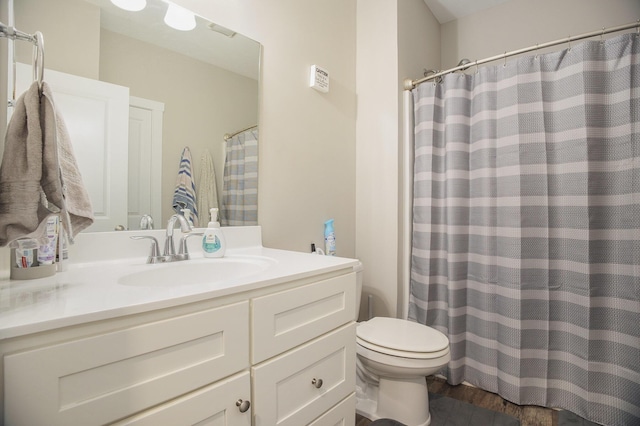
404	400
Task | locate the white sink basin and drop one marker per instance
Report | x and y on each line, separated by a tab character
200	271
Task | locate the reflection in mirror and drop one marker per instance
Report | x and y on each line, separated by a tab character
180	89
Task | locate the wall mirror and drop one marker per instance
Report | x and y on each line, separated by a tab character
179	88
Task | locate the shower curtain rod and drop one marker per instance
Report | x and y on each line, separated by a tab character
410	84
228	136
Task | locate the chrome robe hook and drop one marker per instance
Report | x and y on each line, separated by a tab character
38	59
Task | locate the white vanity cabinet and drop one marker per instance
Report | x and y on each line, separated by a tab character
277	355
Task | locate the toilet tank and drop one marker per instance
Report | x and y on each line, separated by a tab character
358	269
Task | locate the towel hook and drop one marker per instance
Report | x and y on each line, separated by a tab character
38	59
38	68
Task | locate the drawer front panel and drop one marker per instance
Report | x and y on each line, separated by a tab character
342	414
214	405
287	319
110	376
287	389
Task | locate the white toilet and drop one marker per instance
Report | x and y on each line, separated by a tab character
393	358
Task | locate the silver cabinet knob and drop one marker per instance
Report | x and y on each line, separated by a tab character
317	383
243	406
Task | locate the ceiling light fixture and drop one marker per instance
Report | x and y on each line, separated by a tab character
130	5
179	18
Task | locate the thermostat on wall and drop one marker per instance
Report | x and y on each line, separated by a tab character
319	79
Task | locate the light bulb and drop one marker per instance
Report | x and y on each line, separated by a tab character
130	5
179	18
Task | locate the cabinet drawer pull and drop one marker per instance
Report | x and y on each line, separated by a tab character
243	406
317	383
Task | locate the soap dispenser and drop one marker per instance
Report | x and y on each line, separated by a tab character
213	242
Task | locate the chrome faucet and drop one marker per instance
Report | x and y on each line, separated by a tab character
185	227
169	254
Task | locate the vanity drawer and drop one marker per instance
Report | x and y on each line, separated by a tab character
289	318
110	376
297	387
213	405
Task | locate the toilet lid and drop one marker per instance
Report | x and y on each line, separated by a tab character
402	335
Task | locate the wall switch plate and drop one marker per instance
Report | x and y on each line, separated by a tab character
319	79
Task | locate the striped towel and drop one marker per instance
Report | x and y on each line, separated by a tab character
184	196
207	190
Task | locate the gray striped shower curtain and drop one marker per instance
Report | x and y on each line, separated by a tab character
240	180
526	227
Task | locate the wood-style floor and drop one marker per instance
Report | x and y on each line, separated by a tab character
528	415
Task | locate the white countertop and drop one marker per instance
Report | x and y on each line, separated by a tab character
90	291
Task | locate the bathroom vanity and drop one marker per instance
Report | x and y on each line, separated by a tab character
260	337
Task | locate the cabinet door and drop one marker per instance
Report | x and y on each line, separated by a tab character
342	414
214	405
289	318
111	376
295	388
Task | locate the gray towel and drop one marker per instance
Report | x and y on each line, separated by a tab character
39	175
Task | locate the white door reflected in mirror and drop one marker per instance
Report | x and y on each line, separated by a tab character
97	117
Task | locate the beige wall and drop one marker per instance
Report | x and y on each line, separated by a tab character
395	40
71	30
522	23
202	103
377	151
307	138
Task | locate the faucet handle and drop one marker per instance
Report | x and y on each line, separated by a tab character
154	255
183	250
146	222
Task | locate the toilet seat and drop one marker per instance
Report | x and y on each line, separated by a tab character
401	338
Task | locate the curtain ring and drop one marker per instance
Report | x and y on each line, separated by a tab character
476	66
569	41
602	37
505	59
